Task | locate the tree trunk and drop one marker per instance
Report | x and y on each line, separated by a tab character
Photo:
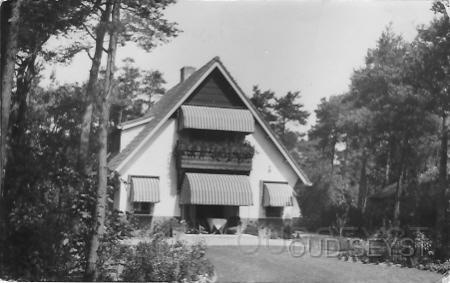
345	161
9	53
362	196
442	203
10	16
388	167
25	74
400	181
100	215
398	194
333	153
91	89
119	119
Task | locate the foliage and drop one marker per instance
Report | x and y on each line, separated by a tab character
394	246
370	138
49	217
388	133
264	101
328	128
252	228
136	92
50	204
423	243
111	250
159	260
439	267
282	113
333	194
155	260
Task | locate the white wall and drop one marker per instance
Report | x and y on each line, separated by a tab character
268	165
156	158
127	135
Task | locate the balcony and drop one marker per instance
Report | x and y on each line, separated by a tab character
230	156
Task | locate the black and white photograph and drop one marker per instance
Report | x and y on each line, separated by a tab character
225	141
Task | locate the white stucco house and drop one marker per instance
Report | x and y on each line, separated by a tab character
204	152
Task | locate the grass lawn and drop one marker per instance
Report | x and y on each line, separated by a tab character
234	265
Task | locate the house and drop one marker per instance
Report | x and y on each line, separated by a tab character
204	152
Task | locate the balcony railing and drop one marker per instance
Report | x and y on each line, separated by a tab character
215	155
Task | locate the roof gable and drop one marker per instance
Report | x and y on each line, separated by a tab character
178	95
215	91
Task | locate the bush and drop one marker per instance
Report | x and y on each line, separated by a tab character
251	228
158	260
423	243
442	268
387	245
166	227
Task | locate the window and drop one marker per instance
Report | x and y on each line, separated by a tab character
143	208
274	211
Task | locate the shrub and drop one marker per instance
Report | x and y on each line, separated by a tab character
158	260
442	268
251	228
111	253
388	246
423	243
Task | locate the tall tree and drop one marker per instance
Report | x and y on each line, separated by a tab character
137	90
384	89
282	113
289	110
431	72
101	203
92	84
10	20
9	47
264	101
358	128
327	129
143	23
39	21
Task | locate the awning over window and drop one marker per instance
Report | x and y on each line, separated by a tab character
216	189
144	189
213	118
277	194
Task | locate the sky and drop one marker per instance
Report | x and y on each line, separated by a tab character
311	46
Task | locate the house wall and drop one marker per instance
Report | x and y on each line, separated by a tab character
268	165
156	158
127	135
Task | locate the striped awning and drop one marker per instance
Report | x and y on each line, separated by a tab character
144	189
277	194
214	118
216	189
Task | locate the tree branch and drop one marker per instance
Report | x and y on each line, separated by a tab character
88	54
89	32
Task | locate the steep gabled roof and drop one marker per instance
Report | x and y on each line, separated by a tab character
159	113
173	99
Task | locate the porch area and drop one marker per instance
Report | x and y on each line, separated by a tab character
210	202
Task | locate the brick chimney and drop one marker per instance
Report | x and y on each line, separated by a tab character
185	72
